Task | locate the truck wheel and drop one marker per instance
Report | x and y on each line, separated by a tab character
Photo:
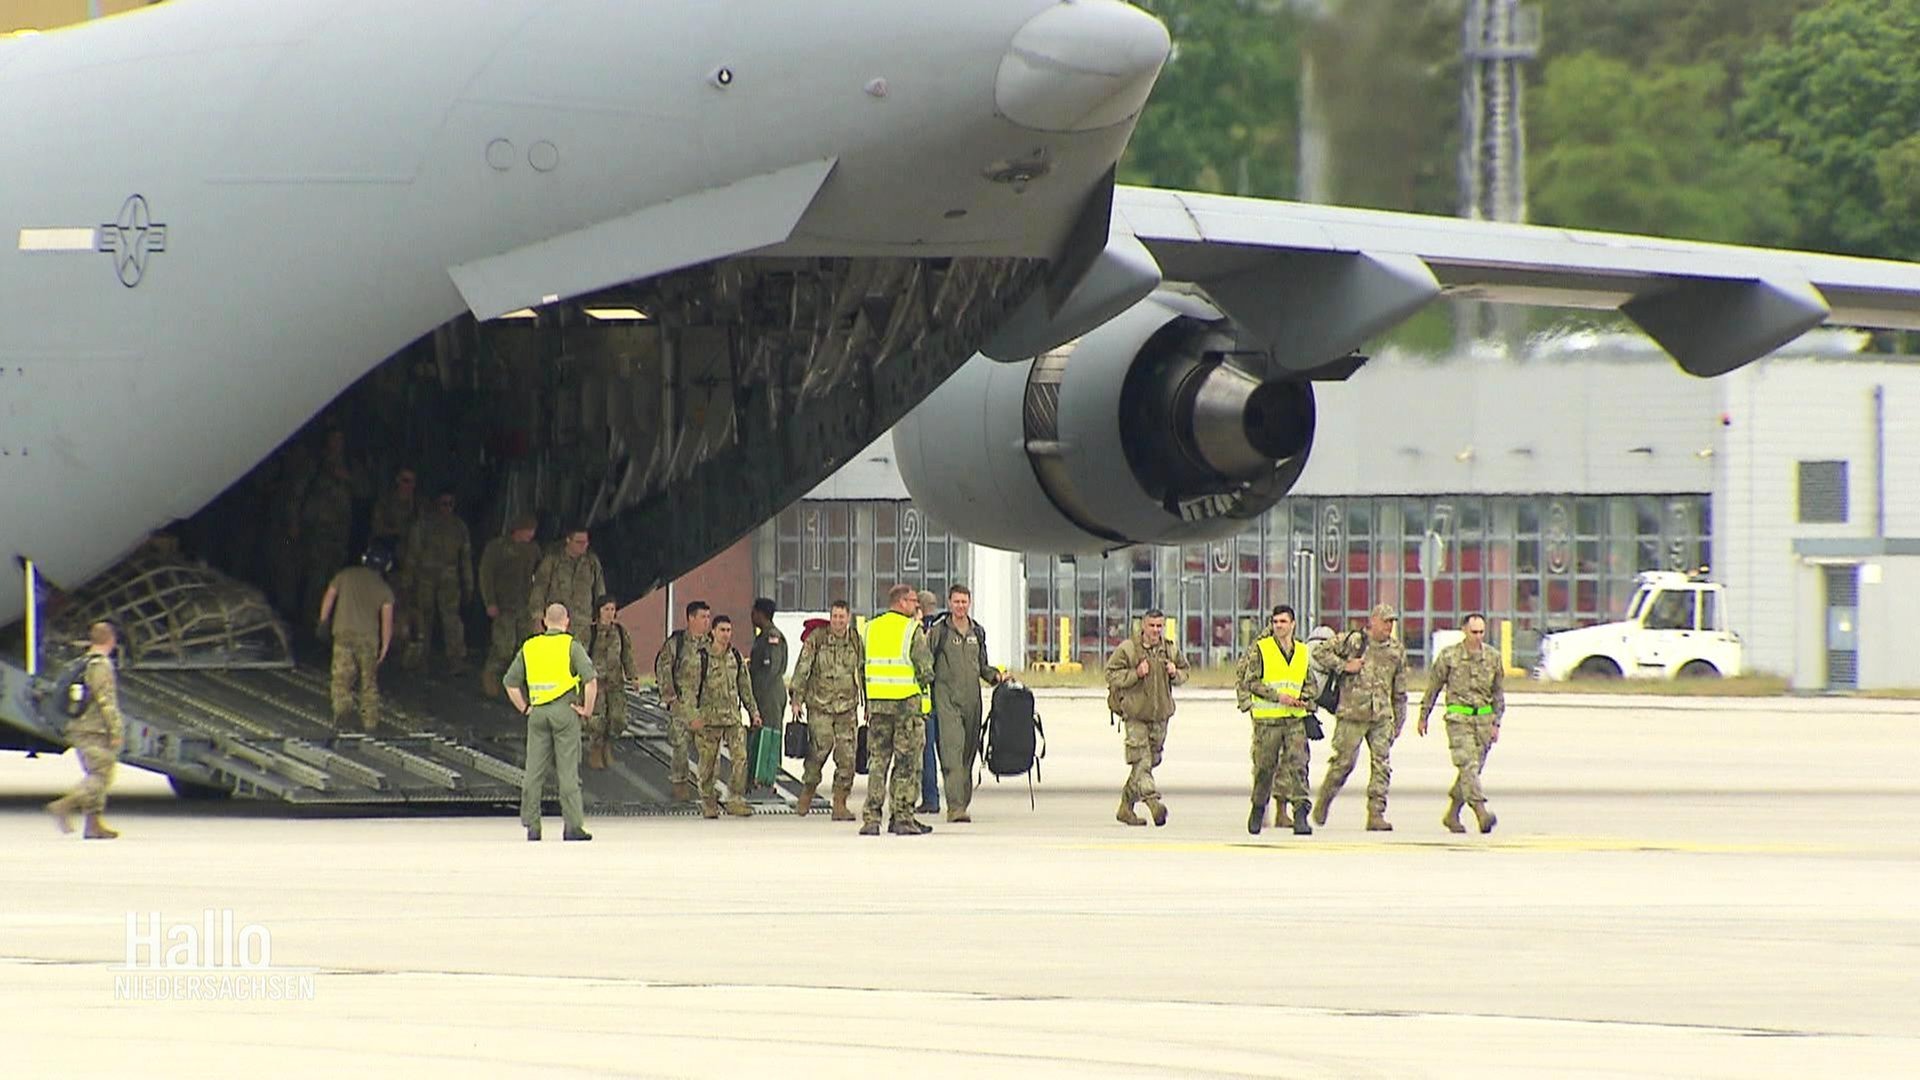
1698	669
1597	667
187	789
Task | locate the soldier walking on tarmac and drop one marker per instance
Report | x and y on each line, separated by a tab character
725	688
97	737
769	663
898	665
1475	683
553	684
679	668
1274	684
828	680
1141	675
1373	709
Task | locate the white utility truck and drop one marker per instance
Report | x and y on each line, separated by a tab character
1676	627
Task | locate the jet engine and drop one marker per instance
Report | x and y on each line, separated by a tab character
1156	427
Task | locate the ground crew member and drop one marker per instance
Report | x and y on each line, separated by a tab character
1373	709
439	575
828	680
610	648
97	735
506	573
396	510
960	666
326	517
725	688
1475	680
680	668
929	767
768	662
1141	675
546	682
1282	809
898	664
359	606
570	576
1274	684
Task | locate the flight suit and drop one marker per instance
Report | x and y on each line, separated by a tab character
960	668
553	738
768	664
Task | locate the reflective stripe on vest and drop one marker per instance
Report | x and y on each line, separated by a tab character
1287	676
1470	710
550	674
890	658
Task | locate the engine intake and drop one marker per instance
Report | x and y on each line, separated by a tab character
1154	428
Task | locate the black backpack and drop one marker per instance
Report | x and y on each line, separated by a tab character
1015	739
78	696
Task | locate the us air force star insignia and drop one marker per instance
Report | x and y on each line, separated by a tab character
131	238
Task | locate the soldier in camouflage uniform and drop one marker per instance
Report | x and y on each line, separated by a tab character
896	727
828	683
439	578
570	576
1373	709
97	737
1279	742
359	606
1475	681
1141	675
678	669
725	688
611	649
325	524
506	573
396	510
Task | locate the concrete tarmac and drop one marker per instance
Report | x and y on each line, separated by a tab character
1677	887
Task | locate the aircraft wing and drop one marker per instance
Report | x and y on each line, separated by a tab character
1314	282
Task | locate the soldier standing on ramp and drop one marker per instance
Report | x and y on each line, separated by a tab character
97	737
828	680
1475	681
360	606
546	682
611	650
438	569
506	573
678	669
570	576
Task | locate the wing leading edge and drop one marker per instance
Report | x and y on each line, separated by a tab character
1315	282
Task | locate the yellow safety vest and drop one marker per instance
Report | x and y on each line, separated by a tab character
1287	676
890	658
550	674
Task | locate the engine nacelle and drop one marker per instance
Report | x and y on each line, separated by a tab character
1154	428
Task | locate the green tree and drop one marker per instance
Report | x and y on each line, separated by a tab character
1225	114
1649	151
1841	98
1653	34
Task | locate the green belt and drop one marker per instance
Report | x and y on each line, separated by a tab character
1470	710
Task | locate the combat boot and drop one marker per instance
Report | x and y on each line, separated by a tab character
1300	826
738	808
908	827
709	810
1126	816
1485	817
579	834
840	811
489	686
1281	819
1377	819
1452	818
682	792
97	829
1321	805
62	812
805	802
871	828
1257	818
1159	811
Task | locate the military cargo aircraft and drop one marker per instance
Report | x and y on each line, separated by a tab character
680	262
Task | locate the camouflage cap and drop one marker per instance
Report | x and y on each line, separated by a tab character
1321	633
1385	611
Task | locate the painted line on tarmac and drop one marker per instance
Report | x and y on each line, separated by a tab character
1523	845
